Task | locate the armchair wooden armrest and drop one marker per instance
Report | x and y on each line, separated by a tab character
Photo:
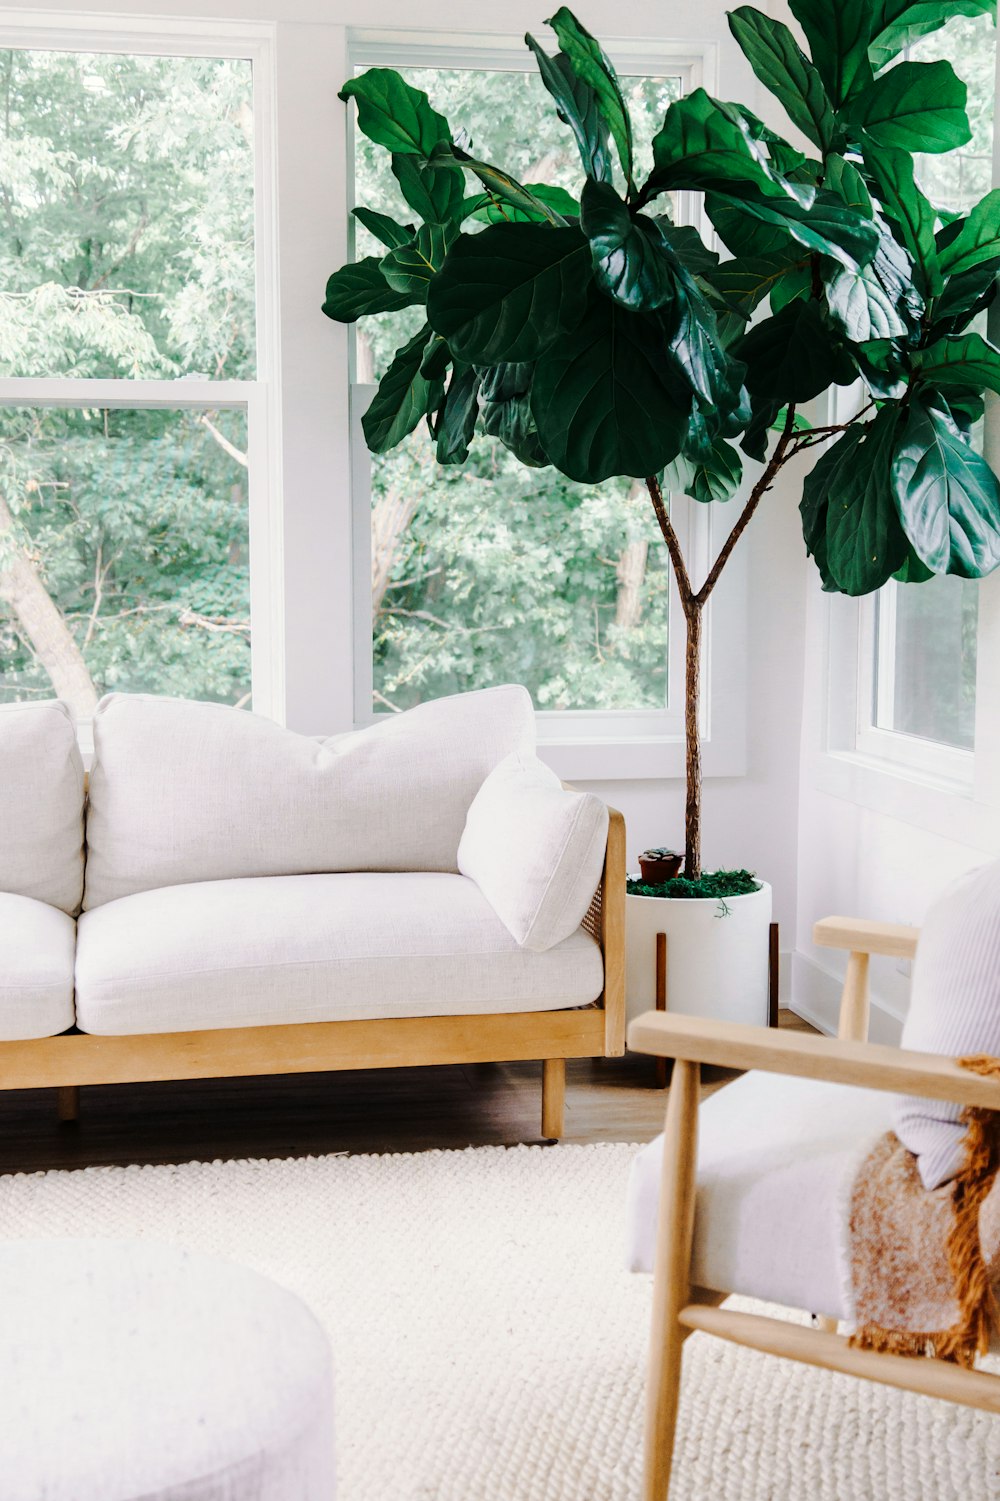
863	936
866	1064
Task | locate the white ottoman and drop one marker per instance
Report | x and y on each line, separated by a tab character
131	1369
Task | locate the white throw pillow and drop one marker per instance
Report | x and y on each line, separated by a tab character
535	850
954	1010
41	805
184	791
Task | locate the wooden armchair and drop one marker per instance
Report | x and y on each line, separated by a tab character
680	1305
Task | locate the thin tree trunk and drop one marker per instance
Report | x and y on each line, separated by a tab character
391	517
42	622
631	575
693	619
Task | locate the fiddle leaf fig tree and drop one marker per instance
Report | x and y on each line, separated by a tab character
595	334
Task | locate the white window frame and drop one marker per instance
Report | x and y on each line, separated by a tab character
258	398
585	744
932	759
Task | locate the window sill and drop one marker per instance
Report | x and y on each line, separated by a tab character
643	758
938	805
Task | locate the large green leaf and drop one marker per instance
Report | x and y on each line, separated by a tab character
961	360
410	267
507	293
504	188
456	423
438	196
843	178
633	263
703	144
359	288
794	355
714	476
745	282
819	485
865	543
506	406
878	301
782	66
826	225
897	24
947	495
404	396
603	398
394	114
912	107
714	375
490	211
838	32
579	107
907	207
978	239
592	67
385	230
965	296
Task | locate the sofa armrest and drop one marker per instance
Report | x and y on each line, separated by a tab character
607	923
868	1065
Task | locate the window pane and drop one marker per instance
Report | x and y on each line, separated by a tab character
492	572
127	192
956	180
123	555
927	660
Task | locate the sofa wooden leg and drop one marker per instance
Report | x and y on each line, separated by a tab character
68	1102
553	1097
671	1283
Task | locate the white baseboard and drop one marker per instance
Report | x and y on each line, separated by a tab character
813	993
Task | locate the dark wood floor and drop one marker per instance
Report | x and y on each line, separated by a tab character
394	1110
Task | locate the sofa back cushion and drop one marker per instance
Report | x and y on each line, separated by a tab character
954	1010
184	791
535	850
41	805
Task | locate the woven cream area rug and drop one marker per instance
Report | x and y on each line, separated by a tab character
489	1346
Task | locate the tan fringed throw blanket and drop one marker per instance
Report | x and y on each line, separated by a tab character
925	1265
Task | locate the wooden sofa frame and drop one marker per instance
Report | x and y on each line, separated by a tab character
679	1309
78	1058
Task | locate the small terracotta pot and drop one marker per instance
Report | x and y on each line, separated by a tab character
658	866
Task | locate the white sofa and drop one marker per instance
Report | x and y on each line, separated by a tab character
232	898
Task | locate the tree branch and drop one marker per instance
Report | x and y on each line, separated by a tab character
673	544
757	494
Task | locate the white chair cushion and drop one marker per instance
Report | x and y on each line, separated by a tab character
140	1372
37	944
41	804
314	948
200	792
535	850
954	1010
776	1158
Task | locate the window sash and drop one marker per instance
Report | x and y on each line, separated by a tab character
581	741
167	37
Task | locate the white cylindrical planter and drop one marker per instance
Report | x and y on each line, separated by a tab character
717	955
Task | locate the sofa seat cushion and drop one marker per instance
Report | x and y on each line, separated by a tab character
36	968
776	1158
261	951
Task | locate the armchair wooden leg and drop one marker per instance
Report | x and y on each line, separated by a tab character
672	1280
68	1102
553	1097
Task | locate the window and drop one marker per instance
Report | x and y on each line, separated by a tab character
491	572
133	422
917	679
